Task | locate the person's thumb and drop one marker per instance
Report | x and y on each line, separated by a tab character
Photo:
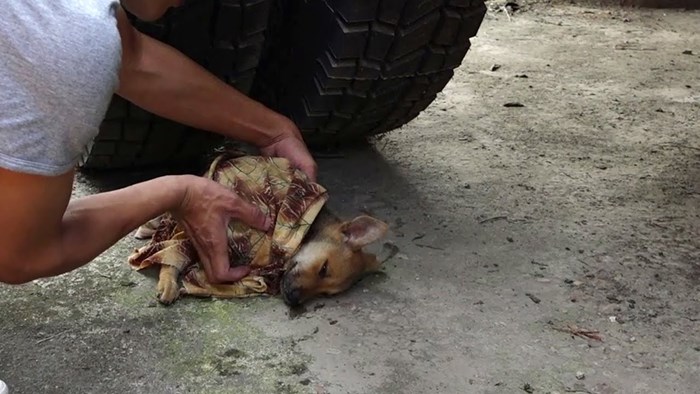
235	274
311	170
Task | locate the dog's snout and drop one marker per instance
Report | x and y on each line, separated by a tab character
291	291
292	296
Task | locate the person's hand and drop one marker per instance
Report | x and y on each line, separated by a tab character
290	145
205	212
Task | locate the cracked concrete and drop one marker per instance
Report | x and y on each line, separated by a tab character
581	207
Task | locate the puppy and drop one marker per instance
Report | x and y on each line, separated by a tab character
331	258
310	252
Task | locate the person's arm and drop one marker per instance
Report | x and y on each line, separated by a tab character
164	81
47	234
150	10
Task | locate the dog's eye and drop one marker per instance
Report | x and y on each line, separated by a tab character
324	270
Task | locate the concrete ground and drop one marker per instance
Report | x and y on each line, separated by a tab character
580	208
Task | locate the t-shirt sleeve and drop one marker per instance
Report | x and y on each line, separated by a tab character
29	142
58	70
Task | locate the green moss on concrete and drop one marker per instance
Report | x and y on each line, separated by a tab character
210	345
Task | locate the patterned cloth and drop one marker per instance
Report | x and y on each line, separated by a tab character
273	186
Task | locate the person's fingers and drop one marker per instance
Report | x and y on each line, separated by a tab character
248	213
302	159
213	251
310	169
234	274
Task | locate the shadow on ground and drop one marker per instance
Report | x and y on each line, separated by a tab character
99	329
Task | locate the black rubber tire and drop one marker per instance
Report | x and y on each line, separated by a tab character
224	36
341	70
345	70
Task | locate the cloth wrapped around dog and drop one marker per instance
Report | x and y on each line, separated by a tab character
273	186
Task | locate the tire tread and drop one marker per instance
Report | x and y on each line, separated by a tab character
224	36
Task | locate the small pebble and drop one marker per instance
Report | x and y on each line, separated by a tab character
580	375
633	339
612	319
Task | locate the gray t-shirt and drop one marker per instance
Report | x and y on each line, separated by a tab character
59	64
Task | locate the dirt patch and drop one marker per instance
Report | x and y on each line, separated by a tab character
658	4
684	4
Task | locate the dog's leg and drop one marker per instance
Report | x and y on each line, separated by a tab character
168	289
146	230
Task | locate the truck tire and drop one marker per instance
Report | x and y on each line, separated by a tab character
341	70
345	70
224	36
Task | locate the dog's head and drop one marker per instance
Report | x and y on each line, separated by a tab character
332	259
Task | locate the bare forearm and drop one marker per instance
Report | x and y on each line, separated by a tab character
165	82
94	223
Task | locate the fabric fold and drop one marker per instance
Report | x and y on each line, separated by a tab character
272	185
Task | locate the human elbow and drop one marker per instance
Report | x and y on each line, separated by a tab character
14	279
13	273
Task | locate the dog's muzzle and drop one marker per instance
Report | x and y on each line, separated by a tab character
291	293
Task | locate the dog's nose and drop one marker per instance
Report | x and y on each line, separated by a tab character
292	296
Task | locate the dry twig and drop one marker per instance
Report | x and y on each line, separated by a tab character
505	9
577	390
50	337
493	219
678	145
580	332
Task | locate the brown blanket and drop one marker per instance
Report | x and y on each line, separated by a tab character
272	185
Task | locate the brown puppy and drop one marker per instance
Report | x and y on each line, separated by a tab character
330	259
310	251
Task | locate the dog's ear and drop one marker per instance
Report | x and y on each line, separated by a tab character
363	230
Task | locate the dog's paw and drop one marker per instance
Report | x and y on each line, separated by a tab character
168	292
146	230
